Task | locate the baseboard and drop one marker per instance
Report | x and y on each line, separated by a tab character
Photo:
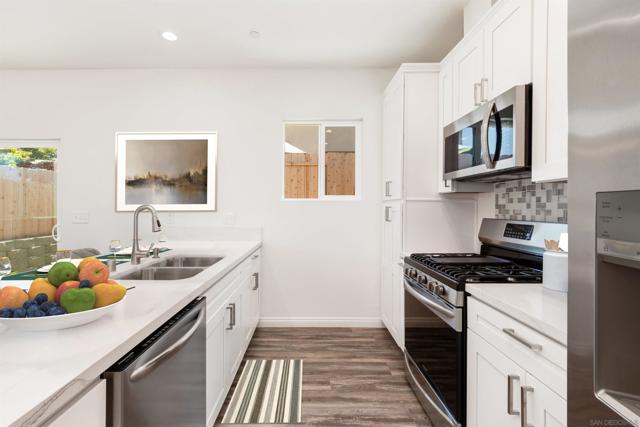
321	322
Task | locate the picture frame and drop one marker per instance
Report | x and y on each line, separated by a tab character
171	171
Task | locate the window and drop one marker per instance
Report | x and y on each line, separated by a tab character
322	160
28	210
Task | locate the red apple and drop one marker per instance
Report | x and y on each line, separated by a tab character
95	272
64	287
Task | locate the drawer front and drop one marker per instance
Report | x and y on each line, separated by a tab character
543	357
221	290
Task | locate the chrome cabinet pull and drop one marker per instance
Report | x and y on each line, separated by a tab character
523	405
529	345
256	278
255	256
510	380
387	213
477	87
232	315
387	189
484	83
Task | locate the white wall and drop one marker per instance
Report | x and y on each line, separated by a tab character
321	259
473	11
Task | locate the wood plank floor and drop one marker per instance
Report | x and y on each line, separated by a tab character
351	377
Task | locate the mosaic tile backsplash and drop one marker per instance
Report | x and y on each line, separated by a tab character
526	201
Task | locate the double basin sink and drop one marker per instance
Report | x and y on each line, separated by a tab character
174	268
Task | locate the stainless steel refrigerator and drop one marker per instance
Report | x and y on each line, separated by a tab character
604	216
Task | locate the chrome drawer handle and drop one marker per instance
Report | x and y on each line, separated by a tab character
232	315
510	381
523	406
529	345
387	189
256	277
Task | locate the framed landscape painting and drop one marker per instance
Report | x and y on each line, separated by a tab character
171	171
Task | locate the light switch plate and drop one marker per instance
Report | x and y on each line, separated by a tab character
80	217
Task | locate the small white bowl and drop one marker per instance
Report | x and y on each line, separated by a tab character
63	321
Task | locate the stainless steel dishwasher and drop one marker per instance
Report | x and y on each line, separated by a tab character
161	381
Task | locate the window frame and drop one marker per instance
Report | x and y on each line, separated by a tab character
322	125
44	143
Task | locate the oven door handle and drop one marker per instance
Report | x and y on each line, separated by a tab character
429	302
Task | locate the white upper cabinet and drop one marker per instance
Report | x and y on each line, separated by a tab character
468	67
445	116
392	139
516	42
550	103
507	48
410	133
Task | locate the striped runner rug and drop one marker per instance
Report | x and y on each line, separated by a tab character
268	392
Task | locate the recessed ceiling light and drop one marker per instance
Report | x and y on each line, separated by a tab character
169	36
254	34
329	131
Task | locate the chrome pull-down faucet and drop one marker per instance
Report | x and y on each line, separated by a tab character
136	253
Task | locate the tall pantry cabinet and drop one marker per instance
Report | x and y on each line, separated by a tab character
415	217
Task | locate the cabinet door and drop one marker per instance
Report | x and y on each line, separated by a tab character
550	105
386	298
493	385
467	73
216	390
255	290
234	333
89	410
545	408
392	233
507	47
397	292
445	116
392	140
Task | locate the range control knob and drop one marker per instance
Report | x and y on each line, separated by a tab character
439	290
431	286
422	280
413	273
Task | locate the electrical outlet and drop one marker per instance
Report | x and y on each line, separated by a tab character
80	217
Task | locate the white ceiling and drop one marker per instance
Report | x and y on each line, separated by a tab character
215	33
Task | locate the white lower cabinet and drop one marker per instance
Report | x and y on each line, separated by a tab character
545	408
233	312
502	392
493	386
216	391
89	410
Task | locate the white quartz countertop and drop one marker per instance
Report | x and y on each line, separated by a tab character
40	371
530	303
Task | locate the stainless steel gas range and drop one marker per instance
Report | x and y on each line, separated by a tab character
435	313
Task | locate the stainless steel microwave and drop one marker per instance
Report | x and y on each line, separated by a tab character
493	142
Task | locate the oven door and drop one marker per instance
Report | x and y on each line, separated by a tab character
435	354
491	140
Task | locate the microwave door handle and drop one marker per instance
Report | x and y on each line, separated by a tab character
488	159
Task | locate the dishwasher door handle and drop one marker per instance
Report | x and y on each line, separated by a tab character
145	369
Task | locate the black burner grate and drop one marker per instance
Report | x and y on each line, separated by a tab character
479	269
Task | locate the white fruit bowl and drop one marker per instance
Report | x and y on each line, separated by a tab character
63	321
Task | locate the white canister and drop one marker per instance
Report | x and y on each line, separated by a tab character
555	271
